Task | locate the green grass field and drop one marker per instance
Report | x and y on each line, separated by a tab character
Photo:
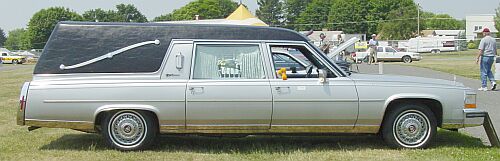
16	143
461	63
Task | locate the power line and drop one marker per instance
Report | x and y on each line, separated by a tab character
372	21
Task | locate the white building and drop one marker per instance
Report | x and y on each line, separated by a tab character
474	25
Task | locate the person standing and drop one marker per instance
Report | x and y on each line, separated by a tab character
372	47
324	45
486	57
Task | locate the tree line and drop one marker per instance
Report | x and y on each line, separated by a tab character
391	19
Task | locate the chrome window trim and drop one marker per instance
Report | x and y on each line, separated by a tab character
99	101
221	42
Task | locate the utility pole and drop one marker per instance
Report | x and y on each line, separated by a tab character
418	19
418	25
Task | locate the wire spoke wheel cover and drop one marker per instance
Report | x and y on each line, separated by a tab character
127	129
411	128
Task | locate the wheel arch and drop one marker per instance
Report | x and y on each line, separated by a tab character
403	58
103	110
430	101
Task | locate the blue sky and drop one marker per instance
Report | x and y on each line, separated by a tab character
16	13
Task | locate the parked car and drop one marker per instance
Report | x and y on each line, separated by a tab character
150	79
387	53
8	58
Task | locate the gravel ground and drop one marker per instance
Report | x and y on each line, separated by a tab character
485	100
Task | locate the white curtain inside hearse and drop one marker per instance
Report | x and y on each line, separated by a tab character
228	62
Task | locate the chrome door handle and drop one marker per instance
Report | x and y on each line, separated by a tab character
279	88
195	90
281	91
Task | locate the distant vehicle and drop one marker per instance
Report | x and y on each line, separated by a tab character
9	58
432	44
387	53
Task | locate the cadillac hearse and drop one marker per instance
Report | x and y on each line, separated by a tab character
131	82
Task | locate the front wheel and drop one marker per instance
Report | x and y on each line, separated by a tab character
129	129
406	59
409	126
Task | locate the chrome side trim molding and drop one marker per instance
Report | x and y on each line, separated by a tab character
231	100
368	129
76	125
108	55
251	129
371	100
316	100
96	101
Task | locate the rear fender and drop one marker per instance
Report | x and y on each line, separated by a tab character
112	107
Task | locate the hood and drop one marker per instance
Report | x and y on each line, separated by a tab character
405	79
342	47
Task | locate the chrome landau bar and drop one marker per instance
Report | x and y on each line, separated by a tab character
108	55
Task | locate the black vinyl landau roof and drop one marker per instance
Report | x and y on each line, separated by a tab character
76	42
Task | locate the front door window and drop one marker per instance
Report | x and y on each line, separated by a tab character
297	60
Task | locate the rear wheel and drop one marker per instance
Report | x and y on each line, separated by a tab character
406	59
436	51
409	126
129	129
15	61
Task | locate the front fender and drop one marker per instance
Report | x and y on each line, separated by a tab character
410	96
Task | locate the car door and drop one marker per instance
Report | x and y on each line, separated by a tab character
229	88
305	104
5	58
174	78
391	54
381	54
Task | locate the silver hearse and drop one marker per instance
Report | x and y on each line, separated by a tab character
131	82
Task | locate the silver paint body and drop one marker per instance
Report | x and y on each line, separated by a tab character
252	105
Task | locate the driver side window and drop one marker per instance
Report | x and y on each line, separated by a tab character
389	49
380	49
298	62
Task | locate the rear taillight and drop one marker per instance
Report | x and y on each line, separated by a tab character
22	103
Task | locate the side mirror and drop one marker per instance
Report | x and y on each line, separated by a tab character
293	69
323	75
282	73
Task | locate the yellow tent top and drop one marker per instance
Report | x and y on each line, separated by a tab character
242	13
241	16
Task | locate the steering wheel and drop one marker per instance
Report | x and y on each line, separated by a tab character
309	70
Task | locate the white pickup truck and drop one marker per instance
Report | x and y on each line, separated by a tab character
387	53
